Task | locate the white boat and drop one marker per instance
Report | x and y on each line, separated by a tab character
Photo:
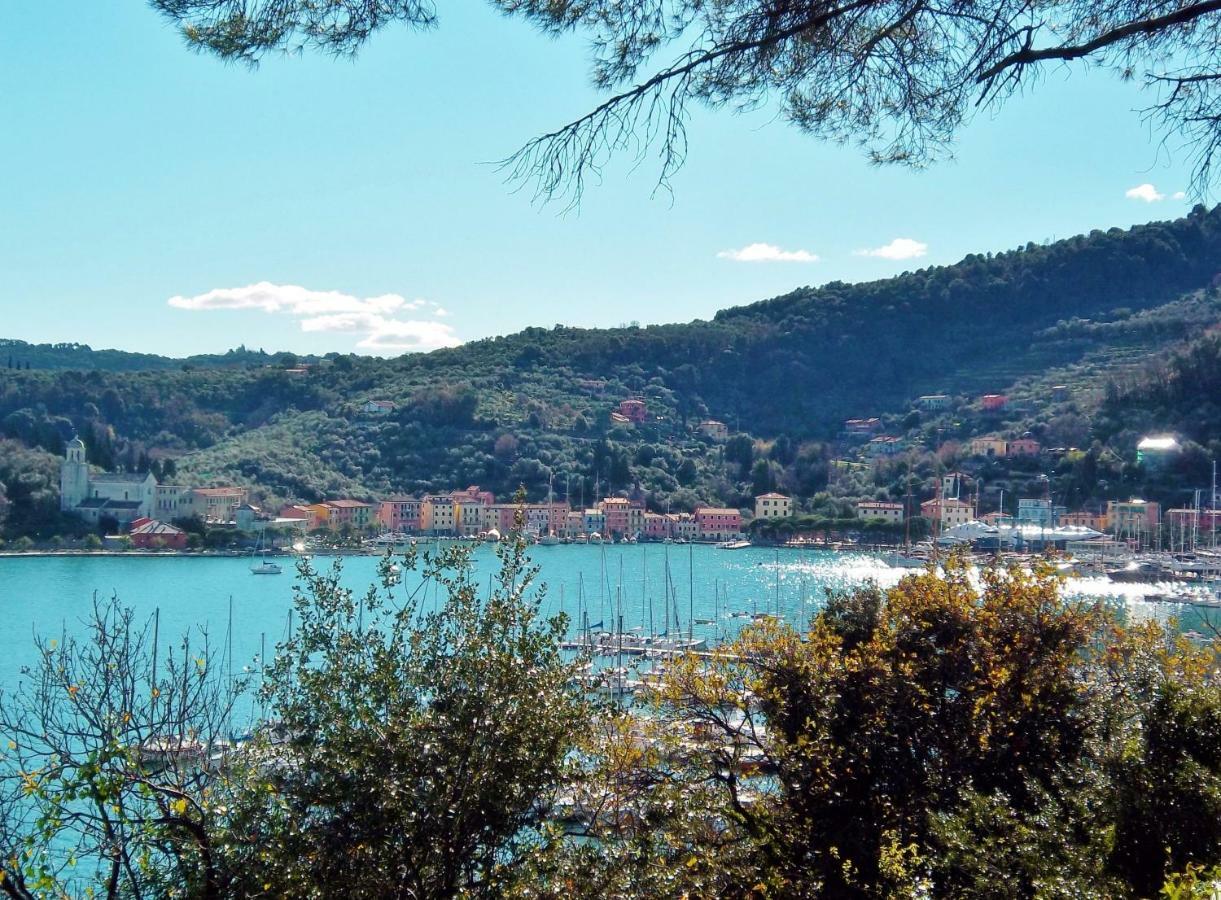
266	567
733	545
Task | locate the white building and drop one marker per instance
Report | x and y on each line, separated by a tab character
879	509
123	496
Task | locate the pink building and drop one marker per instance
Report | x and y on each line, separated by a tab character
623	517
399	513
717	523
1023	446
473	496
657	526
993	402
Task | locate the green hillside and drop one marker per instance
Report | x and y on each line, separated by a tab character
784	373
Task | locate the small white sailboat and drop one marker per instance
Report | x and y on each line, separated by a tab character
264	566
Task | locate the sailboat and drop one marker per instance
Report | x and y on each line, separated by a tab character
264	566
550	539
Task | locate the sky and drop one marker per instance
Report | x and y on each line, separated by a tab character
157	200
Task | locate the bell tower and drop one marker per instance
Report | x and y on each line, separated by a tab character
73	476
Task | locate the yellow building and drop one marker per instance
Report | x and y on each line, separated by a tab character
773	506
440	514
989	446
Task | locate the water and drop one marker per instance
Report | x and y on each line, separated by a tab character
52	595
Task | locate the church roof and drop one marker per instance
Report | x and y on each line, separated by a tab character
120	478
107	503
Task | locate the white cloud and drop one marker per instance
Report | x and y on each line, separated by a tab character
1146	192
375	319
768	253
292	299
440	311
899	248
1179	195
399	335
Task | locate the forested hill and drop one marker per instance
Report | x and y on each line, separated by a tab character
802	362
510	410
15	354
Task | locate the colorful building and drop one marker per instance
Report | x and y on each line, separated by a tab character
988	446
1023	446
151	534
399	514
717	431
773	506
993	402
715	523
217	504
948	511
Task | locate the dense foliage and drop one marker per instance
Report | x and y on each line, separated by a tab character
951	737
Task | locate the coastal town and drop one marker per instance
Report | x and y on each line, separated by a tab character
139	510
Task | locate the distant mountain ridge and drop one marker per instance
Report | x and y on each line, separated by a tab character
507	410
81	357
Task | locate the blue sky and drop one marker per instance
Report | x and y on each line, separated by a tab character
147	191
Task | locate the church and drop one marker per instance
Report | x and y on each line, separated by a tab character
123	496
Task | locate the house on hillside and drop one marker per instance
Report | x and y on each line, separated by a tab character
885	445
717	431
773	506
862	427
988	446
993	402
377	407
1155	451
933	402
1023	446
633	409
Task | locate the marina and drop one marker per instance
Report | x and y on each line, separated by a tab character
627	605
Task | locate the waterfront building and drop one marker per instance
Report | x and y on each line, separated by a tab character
400	514
217	504
152	534
1036	512
440	514
173	501
773	506
714	523
948	511
1083	519
122	496
880	509
1133	520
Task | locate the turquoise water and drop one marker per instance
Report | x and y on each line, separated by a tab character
51	595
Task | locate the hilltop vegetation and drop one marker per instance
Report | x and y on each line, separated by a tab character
784	373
